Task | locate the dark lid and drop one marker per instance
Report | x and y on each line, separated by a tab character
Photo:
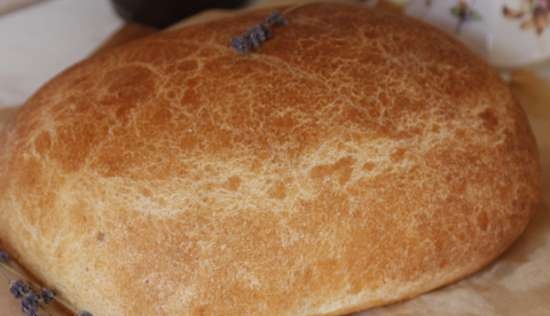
163	13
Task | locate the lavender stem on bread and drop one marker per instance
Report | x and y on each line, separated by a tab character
258	34
4	257
32	298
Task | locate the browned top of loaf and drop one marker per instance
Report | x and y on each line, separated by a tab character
356	159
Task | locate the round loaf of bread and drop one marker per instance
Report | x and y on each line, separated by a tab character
356	159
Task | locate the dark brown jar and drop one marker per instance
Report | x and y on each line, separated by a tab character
162	13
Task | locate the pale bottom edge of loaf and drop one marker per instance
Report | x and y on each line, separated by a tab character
393	292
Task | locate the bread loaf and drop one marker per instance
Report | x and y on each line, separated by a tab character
356	159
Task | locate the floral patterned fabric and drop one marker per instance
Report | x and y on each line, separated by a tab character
509	33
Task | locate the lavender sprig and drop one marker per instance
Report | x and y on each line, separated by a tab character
32	298
4	258
47	296
258	34
30	304
19	288
276	19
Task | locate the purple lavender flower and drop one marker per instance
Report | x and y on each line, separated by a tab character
257	35
47	295
261	32
19	288
31	313
240	44
276	19
4	257
30	304
254	40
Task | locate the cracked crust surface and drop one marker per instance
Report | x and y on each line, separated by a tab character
357	159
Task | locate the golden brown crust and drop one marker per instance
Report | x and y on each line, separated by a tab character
357	159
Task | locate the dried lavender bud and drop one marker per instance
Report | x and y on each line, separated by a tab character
276	19
19	289
30	304
260	31
47	295
84	313
267	31
254	40
256	36
4	257
240	44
